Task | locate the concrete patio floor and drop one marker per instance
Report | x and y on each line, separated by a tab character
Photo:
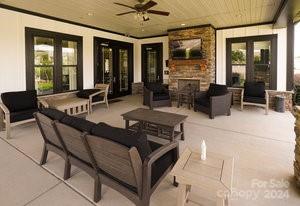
262	145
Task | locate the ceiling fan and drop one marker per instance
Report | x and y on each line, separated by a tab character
142	10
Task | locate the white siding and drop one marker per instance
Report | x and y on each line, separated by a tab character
12	47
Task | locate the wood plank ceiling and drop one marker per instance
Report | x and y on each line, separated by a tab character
219	13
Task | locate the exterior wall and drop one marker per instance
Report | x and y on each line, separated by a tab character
186	68
252	31
12	47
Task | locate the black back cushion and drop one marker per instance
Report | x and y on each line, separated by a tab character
124	137
53	114
20	101
216	90
78	123
86	93
254	89
155	87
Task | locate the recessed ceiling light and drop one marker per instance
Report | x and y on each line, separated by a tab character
182	24
90	14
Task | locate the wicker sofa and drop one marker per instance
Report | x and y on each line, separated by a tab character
123	160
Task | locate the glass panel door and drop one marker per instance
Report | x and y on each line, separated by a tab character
43	65
152	63
123	70
107	64
238	62
69	65
262	62
152	66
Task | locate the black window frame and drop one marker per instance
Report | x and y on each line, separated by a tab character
30	33
249	40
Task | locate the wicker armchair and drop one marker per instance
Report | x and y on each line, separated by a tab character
156	95
216	101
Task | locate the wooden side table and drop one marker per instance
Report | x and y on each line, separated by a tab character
187	93
215	173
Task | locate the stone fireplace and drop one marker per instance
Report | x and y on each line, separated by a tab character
202	71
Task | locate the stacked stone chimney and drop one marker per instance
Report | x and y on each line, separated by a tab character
297	147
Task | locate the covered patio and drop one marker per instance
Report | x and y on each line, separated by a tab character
150	103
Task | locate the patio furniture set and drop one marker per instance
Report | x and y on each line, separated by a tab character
217	100
18	107
124	159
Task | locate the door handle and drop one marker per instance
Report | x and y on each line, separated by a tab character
114	79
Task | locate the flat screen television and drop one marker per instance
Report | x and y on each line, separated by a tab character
186	49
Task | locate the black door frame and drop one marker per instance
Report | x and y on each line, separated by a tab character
249	40
98	65
159	48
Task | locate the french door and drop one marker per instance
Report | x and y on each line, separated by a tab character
152	63
113	66
252	59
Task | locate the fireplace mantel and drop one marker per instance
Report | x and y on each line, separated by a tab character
198	79
188	62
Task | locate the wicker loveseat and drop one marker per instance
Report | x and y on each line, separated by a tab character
123	160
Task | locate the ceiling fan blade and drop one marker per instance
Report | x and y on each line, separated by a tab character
148	5
163	13
129	12
124	5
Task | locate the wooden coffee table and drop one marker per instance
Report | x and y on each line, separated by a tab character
156	123
214	173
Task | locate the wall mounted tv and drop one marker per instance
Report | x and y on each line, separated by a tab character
186	49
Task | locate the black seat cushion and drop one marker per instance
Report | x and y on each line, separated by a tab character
22	115
86	93
254	89
204	101
53	114
160	96
160	165
78	123
124	137
157	88
20	101
216	90
256	100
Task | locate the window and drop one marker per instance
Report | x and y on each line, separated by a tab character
53	62
251	59
238	62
